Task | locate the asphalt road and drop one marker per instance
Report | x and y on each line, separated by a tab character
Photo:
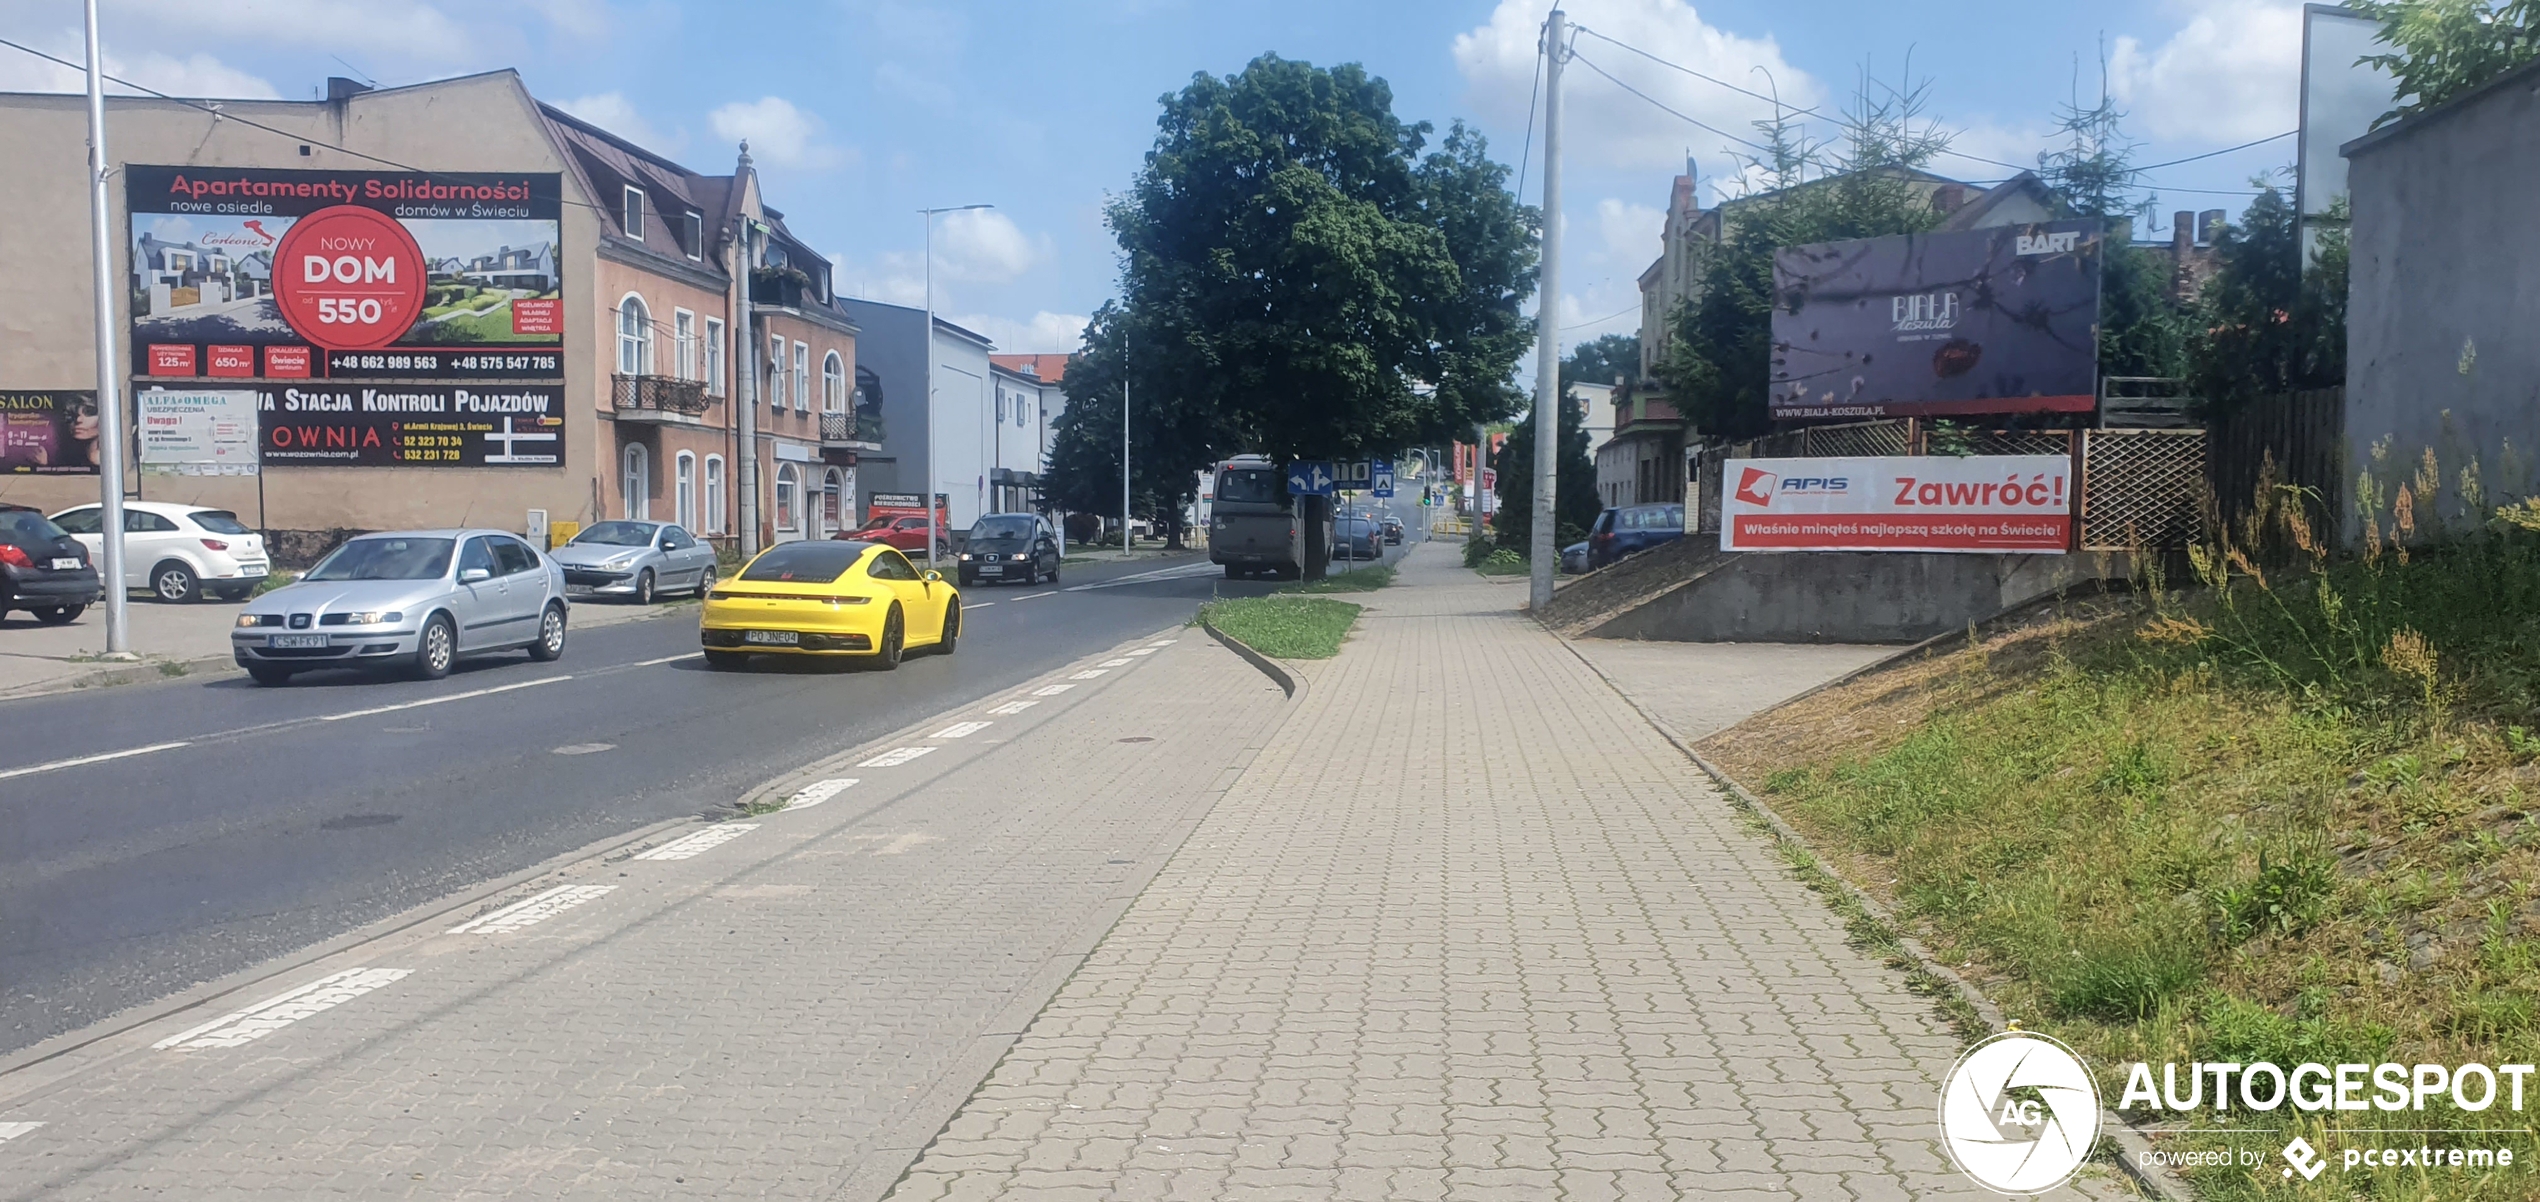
284	817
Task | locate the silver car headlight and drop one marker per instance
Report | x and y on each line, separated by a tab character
376	617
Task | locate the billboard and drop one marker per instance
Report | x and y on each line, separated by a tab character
197	433
254	273
2001	320
412	425
51	433
2341	97
1975	504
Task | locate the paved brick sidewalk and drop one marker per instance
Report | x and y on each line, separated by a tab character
1466	928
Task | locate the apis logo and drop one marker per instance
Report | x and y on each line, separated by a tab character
2048	244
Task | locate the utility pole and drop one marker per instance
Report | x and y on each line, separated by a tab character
747	423
926	495
109	398
1124	446
1540	550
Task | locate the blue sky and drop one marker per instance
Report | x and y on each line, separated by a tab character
861	111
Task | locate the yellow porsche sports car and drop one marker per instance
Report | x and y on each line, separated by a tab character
829	598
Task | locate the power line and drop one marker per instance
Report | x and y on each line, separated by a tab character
1775	101
1601	320
1534	90
1697	123
2211	153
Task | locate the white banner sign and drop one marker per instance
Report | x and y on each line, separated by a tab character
1976	503
198	433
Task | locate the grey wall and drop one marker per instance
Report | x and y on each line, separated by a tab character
2447	261
1847	597
891	346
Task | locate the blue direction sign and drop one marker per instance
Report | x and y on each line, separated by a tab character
1310	478
1380	477
1353	475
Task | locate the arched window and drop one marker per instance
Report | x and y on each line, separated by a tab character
714	494
789	487
639	483
833	384
684	477
634	337
833	486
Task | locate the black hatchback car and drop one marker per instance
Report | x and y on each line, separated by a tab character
1002	547
43	570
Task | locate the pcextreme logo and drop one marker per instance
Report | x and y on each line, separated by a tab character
2019	1113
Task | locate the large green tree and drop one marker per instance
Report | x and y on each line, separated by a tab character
2442	48
2267	322
1576	502
1168	441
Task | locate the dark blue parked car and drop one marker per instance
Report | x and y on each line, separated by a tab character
1632	529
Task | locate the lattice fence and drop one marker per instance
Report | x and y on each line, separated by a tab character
2019	442
2142	488
1858	438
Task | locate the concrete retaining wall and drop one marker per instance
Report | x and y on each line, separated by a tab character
1842	597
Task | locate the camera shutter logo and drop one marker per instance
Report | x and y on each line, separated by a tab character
2019	1113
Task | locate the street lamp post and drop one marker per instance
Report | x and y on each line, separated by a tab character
926	495
110	435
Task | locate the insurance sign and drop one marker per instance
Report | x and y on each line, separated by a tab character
1979	503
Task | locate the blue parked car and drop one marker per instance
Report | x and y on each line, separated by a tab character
1632	529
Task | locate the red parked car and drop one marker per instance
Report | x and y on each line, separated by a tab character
904	531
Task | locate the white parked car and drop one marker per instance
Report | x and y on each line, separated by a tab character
178	552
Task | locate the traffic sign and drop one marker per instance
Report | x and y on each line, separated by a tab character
1351	474
1310	478
1380	477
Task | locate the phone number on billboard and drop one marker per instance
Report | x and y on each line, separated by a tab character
469	365
430	448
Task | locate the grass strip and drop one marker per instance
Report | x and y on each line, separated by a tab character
1284	626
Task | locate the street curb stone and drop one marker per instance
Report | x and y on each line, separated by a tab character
1287	681
2159	1182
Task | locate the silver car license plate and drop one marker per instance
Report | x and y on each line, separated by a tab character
64	563
295	640
780	638
992	570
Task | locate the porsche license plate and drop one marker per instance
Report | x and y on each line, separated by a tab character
779	638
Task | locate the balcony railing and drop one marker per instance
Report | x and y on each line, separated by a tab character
837	427
660	394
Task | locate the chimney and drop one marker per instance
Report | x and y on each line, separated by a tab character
339	88
2209	224
1948	198
2182	234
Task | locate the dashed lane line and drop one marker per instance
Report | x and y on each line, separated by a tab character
274	1013
961	730
1052	690
819	791
127	753
532	911
687	847
1037	596
1013	707
10	1131
444	700
1090	673
1146	650
1117	663
895	757
667	659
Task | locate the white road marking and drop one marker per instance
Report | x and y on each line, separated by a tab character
58	765
532	911
961	730
819	791
1037	596
1052	691
10	1131
1180	572
410	705
967	606
1090	673
1162	643
907	841
895	757
667	659
274	1013
1118	663
1146	650
1014	707
584	748
687	846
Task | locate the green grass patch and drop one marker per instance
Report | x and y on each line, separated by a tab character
272	581
1502	562
1284	627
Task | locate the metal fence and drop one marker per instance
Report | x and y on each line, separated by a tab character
2303	435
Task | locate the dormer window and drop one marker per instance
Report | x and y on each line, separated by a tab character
631	217
696	229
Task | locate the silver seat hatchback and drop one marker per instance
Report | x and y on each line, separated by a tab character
416	600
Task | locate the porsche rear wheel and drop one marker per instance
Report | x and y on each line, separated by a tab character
894	637
952	629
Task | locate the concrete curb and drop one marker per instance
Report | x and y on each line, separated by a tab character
2131	1145
107	675
1276	671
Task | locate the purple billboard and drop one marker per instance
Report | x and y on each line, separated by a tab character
2002	320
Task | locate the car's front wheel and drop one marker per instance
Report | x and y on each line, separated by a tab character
550	645
269	675
175	583
705	582
58	615
436	649
894	640
644	587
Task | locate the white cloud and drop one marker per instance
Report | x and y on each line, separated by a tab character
1628	234
195	76
1986	139
985	246
613	112
1043	333
1604	124
2231	73
778	133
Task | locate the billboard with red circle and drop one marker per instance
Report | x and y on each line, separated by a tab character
380	275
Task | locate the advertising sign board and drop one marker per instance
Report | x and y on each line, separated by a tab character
197	433
413	425
1976	503
52	433
2002	320
258	273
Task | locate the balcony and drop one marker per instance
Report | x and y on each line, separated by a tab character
840	431
662	400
